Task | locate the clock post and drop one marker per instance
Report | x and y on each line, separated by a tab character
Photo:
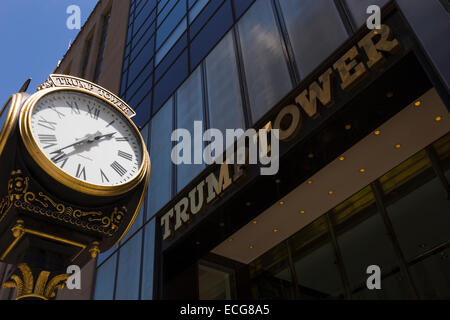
61	201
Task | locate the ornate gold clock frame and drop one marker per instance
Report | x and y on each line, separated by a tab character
45	215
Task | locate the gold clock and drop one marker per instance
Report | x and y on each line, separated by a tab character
83	140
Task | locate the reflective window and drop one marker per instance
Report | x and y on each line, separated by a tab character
311	35
224	93
145	88
141	61
270	275
419	211
164	8
128	272
176	34
265	67
148	264
144	33
240	6
170	23
143	110
422	208
189	109
171	80
213	31
160	185
214	283
143	17
141	78
104	282
313	258
195	10
204	16
171	56
363	241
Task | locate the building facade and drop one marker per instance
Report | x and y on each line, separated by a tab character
362	187
363	182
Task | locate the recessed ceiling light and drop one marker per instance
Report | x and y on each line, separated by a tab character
418	103
377	132
282	202
341	158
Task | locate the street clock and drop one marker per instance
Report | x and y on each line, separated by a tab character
74	171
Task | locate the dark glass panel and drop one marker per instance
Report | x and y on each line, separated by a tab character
208	37
170	81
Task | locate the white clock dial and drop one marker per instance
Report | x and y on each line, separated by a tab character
87	138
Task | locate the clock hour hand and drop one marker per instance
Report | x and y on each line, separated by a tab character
88	139
98	137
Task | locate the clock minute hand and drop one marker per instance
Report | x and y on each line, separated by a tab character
88	139
71	145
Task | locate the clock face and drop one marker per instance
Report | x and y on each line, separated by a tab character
87	138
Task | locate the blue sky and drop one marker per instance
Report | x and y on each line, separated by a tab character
33	37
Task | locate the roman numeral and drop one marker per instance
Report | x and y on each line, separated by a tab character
104	177
74	107
60	114
47	124
125	155
122	139
93	112
121	171
81	172
60	157
48	139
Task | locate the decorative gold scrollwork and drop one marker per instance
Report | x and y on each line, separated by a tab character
41	289
20	196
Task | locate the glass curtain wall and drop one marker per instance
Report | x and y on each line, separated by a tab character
224	62
398	223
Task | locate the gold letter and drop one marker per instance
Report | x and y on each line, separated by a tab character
165	222
216	187
181	216
315	91
196	207
294	126
373	49
346	65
